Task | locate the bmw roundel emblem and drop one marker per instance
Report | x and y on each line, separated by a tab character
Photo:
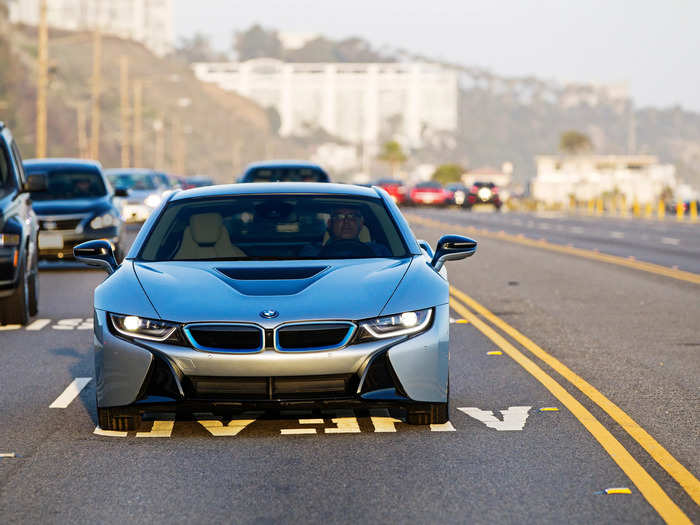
269	314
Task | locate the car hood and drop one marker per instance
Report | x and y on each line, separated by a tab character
71	206
297	290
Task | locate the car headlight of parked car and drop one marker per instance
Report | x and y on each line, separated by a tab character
405	323
103	221
153	200
9	240
136	327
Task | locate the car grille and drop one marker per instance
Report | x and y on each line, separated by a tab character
298	387
226	337
58	224
306	337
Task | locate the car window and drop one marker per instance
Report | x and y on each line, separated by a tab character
133	181
18	163
71	184
7	178
280	227
285	174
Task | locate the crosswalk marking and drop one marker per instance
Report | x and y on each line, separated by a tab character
38	324
71	392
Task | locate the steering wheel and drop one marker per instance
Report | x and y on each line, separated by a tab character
346	248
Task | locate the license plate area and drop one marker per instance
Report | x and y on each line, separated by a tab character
50	241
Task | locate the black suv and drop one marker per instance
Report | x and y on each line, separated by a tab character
19	280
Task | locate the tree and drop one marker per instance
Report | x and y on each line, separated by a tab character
447	173
257	42
574	142
392	154
198	49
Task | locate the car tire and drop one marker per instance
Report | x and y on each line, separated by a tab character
121	419
34	289
16	307
428	414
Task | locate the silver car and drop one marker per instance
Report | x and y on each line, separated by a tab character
268	295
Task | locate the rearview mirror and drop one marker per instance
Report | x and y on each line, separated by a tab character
121	192
37	182
99	252
452	248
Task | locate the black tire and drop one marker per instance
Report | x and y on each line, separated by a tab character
34	289
428	414
119	418
16	307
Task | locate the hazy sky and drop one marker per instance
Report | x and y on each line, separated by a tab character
652	45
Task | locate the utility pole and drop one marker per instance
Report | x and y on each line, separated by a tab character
82	132
42	81
124	108
95	97
159	160
138	122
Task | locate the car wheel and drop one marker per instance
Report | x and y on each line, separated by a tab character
118	418
34	289
17	305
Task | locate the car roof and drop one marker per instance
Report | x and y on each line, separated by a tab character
274	188
283	164
52	163
131	171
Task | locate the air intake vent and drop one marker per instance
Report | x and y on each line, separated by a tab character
310	337
225	337
271	273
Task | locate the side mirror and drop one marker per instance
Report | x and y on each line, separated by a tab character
452	248
99	252
121	192
426	246
37	182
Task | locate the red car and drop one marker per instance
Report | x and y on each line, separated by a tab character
395	188
430	193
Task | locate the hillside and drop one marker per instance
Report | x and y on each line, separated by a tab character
222	131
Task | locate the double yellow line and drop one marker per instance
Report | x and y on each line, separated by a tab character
648	487
628	262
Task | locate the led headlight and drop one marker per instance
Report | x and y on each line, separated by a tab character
398	324
9	239
153	200
141	327
103	221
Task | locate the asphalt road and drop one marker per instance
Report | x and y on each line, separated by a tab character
631	334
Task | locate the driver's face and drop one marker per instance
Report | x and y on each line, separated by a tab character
346	223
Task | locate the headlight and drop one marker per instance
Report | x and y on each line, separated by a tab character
142	328
397	324
153	200
9	239
103	221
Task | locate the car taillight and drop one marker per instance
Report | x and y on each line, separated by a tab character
494	190
474	189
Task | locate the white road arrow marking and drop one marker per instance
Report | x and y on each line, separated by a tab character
513	417
71	392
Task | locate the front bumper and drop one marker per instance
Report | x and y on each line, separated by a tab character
392	371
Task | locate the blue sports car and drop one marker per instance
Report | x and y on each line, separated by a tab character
269	295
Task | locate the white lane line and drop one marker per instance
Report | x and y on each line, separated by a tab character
160	429
292	431
7	454
617	235
71	392
109	433
443	427
38	324
10	327
670	240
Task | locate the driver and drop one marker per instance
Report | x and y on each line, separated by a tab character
345	224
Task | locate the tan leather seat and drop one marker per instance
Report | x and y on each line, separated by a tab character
206	237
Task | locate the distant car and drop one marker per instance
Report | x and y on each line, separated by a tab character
284	171
147	188
459	193
19	255
395	188
196	181
481	193
430	193
77	206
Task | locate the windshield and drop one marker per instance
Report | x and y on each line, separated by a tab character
71	184
429	185
284	227
133	181
285	174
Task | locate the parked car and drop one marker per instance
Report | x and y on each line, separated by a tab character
481	193
394	187
284	171
430	193
19	255
77	206
260	295
197	181
146	188
458	192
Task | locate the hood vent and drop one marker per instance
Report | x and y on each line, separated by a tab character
271	273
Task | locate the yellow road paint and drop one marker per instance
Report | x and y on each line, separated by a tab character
549	409
579	252
442	427
6	327
311	421
109	433
670	464
345	424
292	431
618	490
494	352
217	427
382	421
160	429
462	321
650	489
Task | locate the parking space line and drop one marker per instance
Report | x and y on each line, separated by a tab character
648	486
71	392
38	324
664	458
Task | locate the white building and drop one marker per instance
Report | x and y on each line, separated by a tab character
359	103
149	22
637	177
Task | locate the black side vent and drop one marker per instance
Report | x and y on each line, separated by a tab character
271	273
